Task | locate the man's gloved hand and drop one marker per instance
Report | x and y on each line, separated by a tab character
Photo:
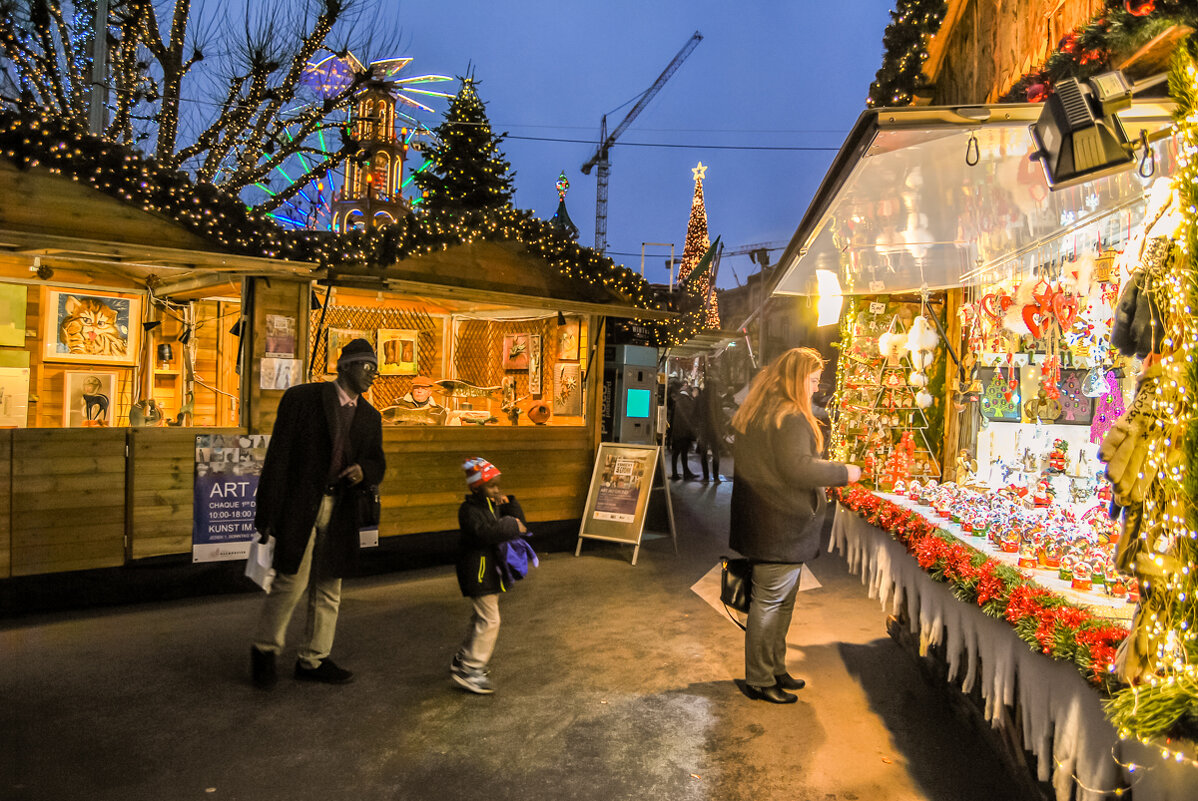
1125	447
263	537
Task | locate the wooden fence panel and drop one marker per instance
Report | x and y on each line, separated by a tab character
5	504
162	476
69	488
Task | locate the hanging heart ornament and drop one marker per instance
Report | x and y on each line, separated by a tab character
1064	308
994	306
1034	319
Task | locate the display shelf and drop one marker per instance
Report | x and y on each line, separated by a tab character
1099	603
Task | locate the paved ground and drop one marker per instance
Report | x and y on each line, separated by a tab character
615	682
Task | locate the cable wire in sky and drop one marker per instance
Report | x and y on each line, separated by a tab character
664	144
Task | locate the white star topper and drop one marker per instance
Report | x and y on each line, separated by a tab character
699	171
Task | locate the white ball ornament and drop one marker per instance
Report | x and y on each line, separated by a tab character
917	379
923	399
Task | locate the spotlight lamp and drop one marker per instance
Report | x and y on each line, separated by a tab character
1078	136
151	325
561	319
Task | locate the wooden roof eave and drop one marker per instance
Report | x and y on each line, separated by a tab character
493	272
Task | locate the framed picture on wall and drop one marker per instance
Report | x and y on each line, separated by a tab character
567	390
1077	409
515	352
567	340
91	327
89	399
534	365
338	338
996	387
397	352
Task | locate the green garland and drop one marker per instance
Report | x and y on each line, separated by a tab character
38	140
913	23
1087	51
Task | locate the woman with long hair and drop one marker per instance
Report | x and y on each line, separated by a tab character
778	508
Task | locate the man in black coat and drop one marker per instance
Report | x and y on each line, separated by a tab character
326	450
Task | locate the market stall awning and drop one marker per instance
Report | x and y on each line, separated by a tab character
938	197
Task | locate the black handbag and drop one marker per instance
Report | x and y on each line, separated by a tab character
736	583
369	506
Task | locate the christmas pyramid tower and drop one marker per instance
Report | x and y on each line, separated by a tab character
697	244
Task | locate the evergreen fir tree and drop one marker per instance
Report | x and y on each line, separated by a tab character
697	243
467	171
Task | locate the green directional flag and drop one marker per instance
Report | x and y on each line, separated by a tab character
703	264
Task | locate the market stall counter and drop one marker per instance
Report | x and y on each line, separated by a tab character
1037	651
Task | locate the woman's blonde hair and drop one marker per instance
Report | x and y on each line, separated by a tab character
780	390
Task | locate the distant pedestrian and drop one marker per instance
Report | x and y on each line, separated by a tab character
710	413
683	431
326	449
491	523
778	508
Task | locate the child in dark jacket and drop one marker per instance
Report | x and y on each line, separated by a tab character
488	520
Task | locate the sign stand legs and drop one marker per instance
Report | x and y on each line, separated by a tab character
665	487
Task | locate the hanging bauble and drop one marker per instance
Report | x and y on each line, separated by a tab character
917	379
1037	93
923	399
1094	384
1142	8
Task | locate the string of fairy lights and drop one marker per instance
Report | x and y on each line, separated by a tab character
39	140
1163	702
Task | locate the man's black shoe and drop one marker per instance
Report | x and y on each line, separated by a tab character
326	672
675	477
774	694
690	477
262	669
789	682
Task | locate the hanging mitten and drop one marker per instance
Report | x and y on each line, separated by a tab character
1125	447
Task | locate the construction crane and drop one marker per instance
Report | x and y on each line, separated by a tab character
606	140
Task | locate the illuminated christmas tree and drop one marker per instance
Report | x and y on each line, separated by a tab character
697	244
468	170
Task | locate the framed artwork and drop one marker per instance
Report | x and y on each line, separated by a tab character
567	390
567	340
515	352
337	339
14	397
280	337
534	365
91	327
398	354
1077	409
89	399
12	315
995	404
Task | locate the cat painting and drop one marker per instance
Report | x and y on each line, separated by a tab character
92	328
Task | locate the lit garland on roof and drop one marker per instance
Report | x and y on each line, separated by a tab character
40	141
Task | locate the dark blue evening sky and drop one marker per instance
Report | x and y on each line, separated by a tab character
766	74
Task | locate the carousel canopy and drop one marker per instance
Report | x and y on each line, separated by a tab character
946	197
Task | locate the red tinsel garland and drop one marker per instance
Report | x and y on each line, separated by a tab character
1057	623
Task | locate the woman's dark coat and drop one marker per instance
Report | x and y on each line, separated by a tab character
777	491
296	473
483	528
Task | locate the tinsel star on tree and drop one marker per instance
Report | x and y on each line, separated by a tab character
468	171
697	244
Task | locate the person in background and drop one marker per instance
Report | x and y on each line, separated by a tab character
421	394
325	449
710	413
487	518
682	433
778	505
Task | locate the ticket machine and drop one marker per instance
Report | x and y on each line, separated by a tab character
632	394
